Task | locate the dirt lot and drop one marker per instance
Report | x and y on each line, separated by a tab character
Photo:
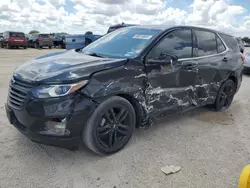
212	148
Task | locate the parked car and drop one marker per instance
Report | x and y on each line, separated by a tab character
13	39
247	63
27	36
122	81
1	40
247	44
79	41
118	26
40	40
59	41
241	45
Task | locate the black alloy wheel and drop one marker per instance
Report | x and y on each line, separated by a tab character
225	95
110	127
113	127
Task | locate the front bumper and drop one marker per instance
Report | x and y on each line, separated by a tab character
31	119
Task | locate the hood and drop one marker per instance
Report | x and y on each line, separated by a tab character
63	67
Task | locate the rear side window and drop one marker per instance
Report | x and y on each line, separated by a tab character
13	34
178	43
44	35
206	43
230	42
220	45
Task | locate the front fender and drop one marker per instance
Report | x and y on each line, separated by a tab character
124	80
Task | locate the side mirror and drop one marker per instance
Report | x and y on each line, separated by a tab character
163	59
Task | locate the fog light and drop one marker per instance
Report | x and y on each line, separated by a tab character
57	127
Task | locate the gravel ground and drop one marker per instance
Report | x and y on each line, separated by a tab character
211	147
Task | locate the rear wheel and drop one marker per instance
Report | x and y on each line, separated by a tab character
25	47
8	46
225	95
110	127
50	47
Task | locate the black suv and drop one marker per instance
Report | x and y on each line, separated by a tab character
124	80
118	26
59	41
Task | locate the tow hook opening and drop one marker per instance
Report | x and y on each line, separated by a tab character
56	126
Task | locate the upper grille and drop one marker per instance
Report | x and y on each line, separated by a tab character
18	93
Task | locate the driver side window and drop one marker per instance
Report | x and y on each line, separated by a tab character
177	43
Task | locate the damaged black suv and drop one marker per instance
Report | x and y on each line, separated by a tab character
124	80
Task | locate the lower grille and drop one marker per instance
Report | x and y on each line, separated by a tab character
18	93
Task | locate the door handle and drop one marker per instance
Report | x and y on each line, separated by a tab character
225	59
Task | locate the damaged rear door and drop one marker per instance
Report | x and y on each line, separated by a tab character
171	78
211	56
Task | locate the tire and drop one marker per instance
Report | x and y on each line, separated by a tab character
25	47
96	134
50	47
36	46
225	95
8	46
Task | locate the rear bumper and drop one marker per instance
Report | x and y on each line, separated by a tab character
246	69
18	43
46	43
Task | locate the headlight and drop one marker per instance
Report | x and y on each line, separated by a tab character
57	90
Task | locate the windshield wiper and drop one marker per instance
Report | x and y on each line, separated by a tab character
95	55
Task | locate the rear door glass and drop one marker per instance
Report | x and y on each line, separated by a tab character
220	46
44	35
206	43
12	34
230	42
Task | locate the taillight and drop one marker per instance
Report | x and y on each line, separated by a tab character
243	58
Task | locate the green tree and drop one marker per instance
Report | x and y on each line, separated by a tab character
34	32
89	33
246	39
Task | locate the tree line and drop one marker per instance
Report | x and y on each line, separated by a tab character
246	39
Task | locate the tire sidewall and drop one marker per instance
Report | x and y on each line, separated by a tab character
94	120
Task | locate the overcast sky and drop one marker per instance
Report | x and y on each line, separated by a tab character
79	16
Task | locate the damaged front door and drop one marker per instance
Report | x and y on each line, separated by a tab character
170	80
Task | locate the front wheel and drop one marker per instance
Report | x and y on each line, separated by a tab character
110	127
36	46
225	96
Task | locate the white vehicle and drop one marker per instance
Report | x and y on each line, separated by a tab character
247	63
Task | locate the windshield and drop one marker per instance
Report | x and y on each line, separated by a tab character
126	42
